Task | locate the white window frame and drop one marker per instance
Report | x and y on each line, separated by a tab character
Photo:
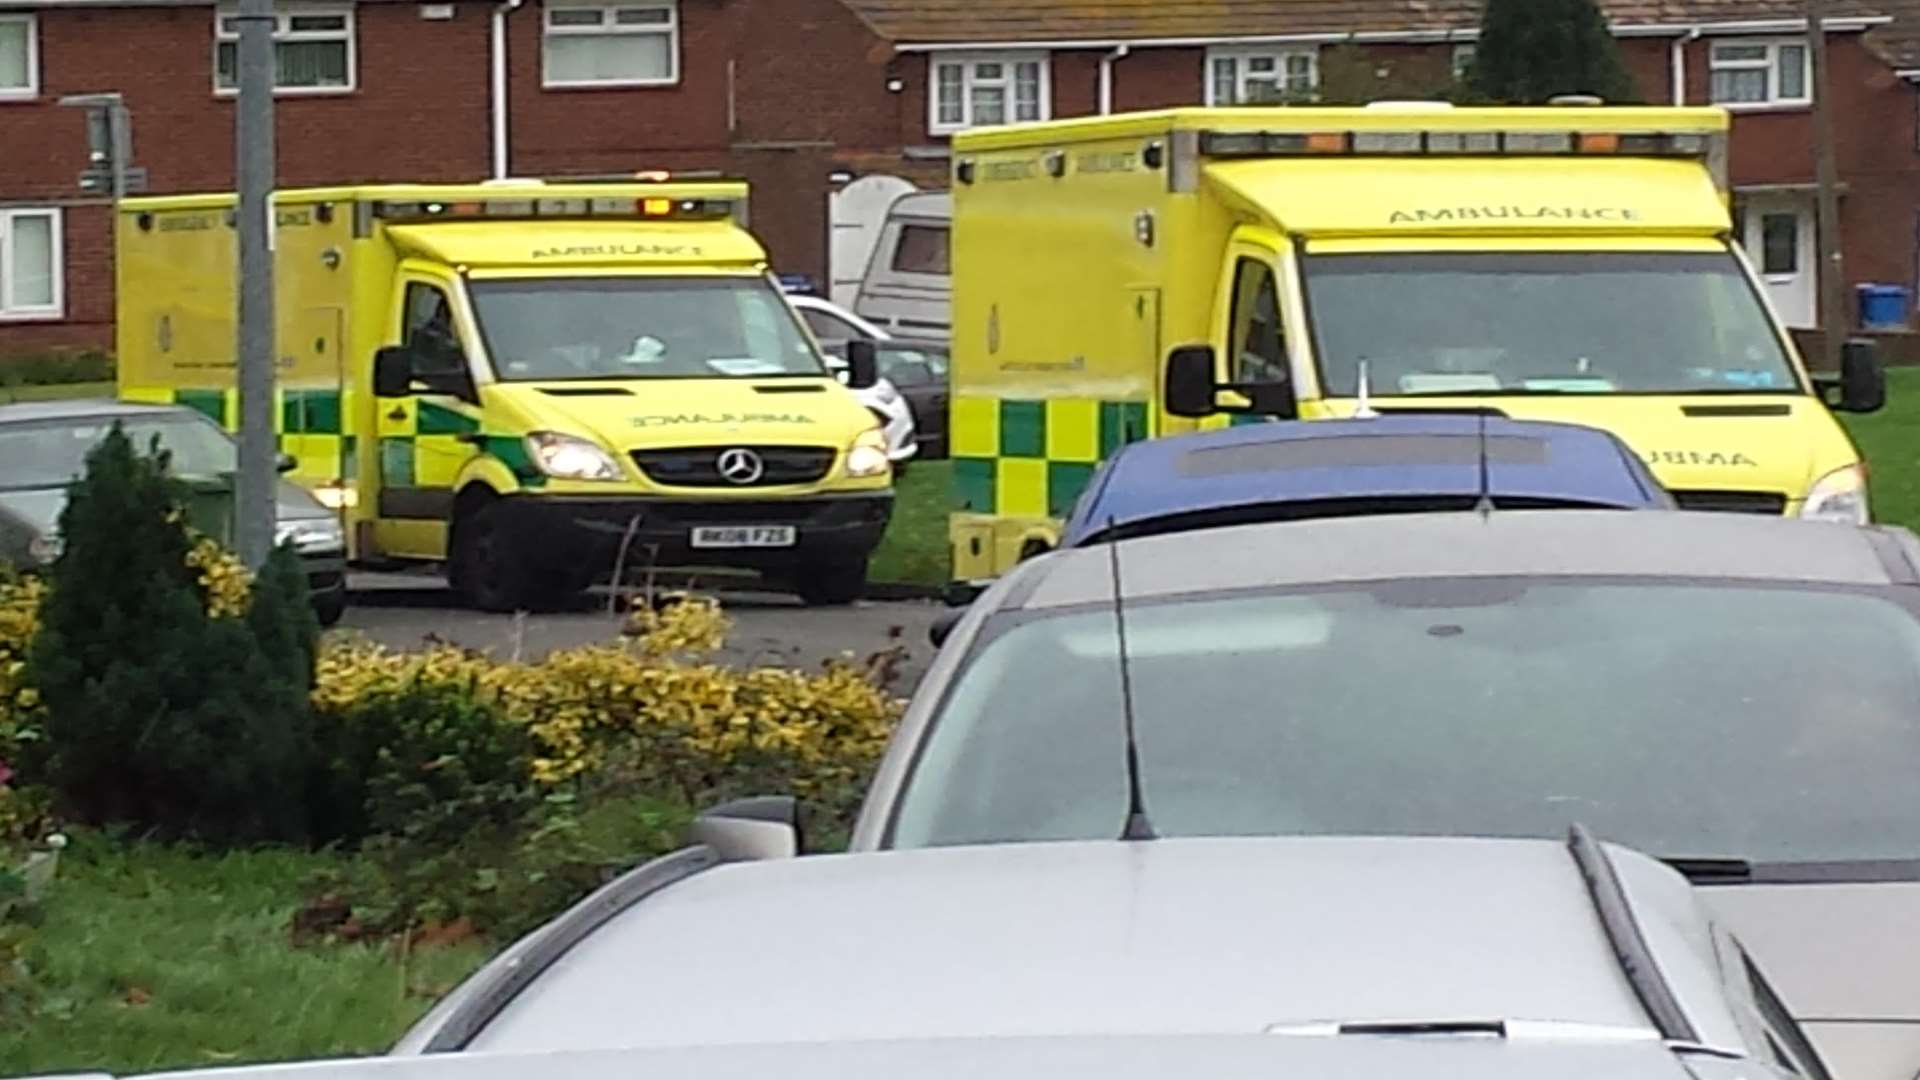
968	61
283	32
1462	58
1770	65
9	311
610	27
1241	55
32	90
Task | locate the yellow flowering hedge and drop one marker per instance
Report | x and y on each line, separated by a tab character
657	706
20	808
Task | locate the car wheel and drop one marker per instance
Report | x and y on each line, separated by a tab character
485	569
329	608
832	584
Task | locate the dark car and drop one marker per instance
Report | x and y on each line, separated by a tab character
43	449
918	369
1345	468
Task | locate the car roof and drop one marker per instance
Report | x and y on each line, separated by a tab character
82	409
1111	1057
1352	460
1691	545
1186	936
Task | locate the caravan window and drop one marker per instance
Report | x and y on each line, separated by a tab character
922	250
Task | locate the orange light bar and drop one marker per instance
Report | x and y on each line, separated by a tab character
1599	142
656	207
1327	142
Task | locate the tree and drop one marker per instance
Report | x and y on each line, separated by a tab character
160	715
1352	75
1532	50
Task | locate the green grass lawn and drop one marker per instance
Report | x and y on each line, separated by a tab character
152	957
915	549
1890	439
58	392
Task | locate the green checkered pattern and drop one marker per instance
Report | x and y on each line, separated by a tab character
1032	459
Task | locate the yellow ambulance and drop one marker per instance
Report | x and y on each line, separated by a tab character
527	383
1134	276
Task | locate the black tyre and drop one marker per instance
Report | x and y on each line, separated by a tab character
485	570
330	607
832	584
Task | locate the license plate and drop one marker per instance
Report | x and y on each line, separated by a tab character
745	536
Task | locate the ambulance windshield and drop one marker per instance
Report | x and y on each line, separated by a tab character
1542	323
640	328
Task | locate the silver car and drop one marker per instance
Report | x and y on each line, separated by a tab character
1532	947
43	449
1737	694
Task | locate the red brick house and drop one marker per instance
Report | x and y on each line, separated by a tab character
800	96
1026	60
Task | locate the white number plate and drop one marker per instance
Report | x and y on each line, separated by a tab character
745	536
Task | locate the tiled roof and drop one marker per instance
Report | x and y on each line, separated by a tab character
938	21
1900	42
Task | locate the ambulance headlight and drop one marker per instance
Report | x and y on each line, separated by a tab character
1840	496
568	457
310	535
868	454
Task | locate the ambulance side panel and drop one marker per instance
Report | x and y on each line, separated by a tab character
177	328
1069	290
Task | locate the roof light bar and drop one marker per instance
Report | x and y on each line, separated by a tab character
1232	144
654	208
1388	142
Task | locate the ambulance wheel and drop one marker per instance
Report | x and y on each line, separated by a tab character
485	569
832	584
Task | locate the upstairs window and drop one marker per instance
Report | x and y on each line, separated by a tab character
611	45
19	57
1262	76
984	90
1758	73
312	50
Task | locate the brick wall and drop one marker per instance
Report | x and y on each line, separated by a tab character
805	96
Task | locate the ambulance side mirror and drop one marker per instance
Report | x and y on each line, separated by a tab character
863	364
1190	386
393	372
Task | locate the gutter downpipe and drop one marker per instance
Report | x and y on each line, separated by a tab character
1120	52
498	85
1677	63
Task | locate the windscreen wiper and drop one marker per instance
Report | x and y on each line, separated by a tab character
1699	869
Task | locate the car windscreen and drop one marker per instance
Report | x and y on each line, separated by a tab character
52	453
1542	323
1688	720
640	328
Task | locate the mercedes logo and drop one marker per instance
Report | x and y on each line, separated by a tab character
741	466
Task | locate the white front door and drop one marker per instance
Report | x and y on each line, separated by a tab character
1779	237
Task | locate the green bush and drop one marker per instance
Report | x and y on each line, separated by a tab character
423	762
158	714
57	368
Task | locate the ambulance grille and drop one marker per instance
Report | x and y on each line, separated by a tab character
700	466
1732	502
